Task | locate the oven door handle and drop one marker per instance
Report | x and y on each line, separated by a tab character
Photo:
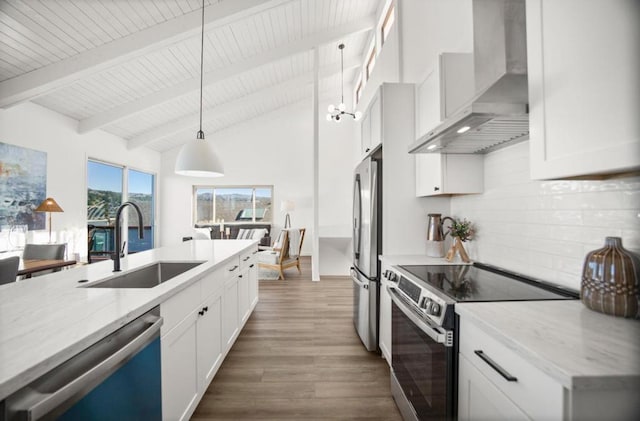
438	334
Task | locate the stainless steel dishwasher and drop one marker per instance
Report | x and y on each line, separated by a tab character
117	378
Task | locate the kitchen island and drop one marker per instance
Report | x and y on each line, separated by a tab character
46	320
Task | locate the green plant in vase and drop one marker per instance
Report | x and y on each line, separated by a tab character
461	230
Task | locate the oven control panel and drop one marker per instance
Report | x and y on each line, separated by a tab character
428	303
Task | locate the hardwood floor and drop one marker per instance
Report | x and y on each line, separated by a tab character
299	357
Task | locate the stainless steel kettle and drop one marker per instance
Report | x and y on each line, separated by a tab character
436	234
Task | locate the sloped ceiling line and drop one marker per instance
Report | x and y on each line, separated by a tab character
193	84
236	105
59	74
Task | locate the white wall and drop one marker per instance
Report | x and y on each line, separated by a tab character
337	156
545	228
275	149
32	126
431	27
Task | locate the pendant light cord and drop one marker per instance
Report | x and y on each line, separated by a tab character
201	133
341	47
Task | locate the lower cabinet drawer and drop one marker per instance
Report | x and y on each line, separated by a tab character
248	257
532	390
176	308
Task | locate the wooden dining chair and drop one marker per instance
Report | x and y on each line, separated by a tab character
9	269
281	257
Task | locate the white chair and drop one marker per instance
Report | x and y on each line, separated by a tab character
281	256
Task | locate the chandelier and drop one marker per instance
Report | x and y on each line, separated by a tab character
337	113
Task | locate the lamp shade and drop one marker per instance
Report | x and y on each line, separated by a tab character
197	159
49	205
287	205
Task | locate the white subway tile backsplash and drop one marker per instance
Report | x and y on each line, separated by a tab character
630	199
612	218
544	229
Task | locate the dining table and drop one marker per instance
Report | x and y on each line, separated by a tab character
31	266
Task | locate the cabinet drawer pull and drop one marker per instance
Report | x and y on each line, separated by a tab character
239	276
255	252
251	265
201	312
233	268
436	189
246	258
508	377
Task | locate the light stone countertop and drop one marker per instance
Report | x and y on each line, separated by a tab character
48	319
580	348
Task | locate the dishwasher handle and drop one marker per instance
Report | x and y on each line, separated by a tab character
36	405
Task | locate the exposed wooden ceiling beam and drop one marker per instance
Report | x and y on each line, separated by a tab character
237	105
54	76
193	84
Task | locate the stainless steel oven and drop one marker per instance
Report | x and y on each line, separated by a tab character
423	361
425	329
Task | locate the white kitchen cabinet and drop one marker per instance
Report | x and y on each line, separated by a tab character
209	333
371	126
192	350
253	284
583	87
528	394
438	96
230	319
479	399
439	174
180	383
445	89
197	333
243	295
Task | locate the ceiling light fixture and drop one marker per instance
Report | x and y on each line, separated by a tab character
337	113
196	158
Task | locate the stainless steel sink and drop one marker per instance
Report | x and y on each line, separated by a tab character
146	277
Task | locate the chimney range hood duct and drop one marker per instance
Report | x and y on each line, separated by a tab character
498	115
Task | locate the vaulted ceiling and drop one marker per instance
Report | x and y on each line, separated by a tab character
132	67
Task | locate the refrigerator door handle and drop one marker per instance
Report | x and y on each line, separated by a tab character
357	216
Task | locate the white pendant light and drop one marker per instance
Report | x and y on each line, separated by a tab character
196	158
337	113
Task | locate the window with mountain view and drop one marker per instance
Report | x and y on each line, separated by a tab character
106	191
232	204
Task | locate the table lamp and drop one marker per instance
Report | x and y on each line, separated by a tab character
49	205
287	206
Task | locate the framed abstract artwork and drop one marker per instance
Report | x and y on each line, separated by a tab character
23	185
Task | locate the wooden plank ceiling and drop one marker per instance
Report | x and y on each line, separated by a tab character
132	67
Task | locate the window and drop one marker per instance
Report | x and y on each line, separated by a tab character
140	191
232	204
387	23
359	89
106	191
371	62
104	195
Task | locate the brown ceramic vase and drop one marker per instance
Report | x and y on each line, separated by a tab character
610	280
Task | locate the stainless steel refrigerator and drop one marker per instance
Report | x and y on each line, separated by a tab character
367	240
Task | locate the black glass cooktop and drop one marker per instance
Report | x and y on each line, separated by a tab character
477	282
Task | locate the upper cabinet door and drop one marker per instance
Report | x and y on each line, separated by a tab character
584	87
448	87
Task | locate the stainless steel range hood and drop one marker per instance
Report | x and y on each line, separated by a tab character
498	115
